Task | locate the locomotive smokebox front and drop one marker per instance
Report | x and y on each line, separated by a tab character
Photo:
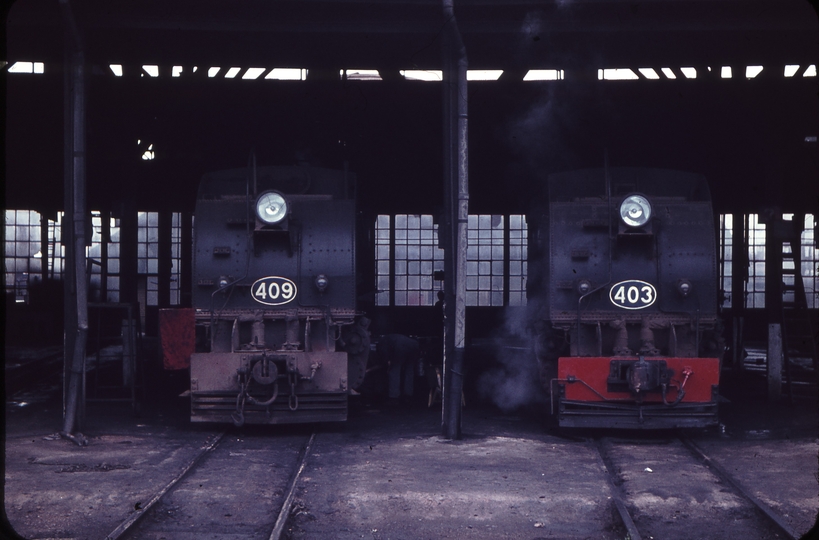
274	296
630	285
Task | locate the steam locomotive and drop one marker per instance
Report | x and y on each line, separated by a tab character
278	337
623	299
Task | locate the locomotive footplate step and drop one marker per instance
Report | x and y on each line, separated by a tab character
219	407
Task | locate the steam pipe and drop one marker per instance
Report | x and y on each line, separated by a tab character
76	293
457	209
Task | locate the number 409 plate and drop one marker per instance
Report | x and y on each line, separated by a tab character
273	290
633	294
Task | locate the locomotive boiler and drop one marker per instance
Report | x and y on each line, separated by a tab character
623	299
278	337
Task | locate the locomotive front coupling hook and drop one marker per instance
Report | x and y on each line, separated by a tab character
687	372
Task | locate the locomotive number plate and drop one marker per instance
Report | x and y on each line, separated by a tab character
273	290
633	294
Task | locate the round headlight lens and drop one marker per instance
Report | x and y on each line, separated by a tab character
635	211
271	207
322	282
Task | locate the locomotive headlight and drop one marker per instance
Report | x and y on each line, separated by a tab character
322	282
684	287
635	211
271	207
584	286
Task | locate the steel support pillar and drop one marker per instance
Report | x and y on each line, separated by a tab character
456	213
76	290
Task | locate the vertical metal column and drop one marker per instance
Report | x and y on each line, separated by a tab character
128	247
43	247
456	210
186	259
105	238
165	230
391	275
76	294
739	272
774	236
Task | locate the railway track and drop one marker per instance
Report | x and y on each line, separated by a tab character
206	495
691	487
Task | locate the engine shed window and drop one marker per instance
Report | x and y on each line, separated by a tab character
484	260
408	260
417	257
34	251
23	254
726	257
518	256
148	255
176	258
382	260
55	251
755	287
810	262
103	258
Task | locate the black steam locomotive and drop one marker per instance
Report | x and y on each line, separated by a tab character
623	299
278	337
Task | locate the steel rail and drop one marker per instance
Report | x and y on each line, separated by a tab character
616	492
126	525
284	513
724	475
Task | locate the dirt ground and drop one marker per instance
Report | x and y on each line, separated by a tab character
387	473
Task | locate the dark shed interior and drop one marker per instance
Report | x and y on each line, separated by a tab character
752	134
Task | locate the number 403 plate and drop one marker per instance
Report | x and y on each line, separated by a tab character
633	294
273	290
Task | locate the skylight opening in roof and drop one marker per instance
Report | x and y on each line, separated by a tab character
752	71
360	74
116	69
213	71
253	73
689	72
618	74
726	72
27	67
543	75
811	71
668	73
153	71
176	71
287	74
483	74
422	75
232	72
649	73
791	70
